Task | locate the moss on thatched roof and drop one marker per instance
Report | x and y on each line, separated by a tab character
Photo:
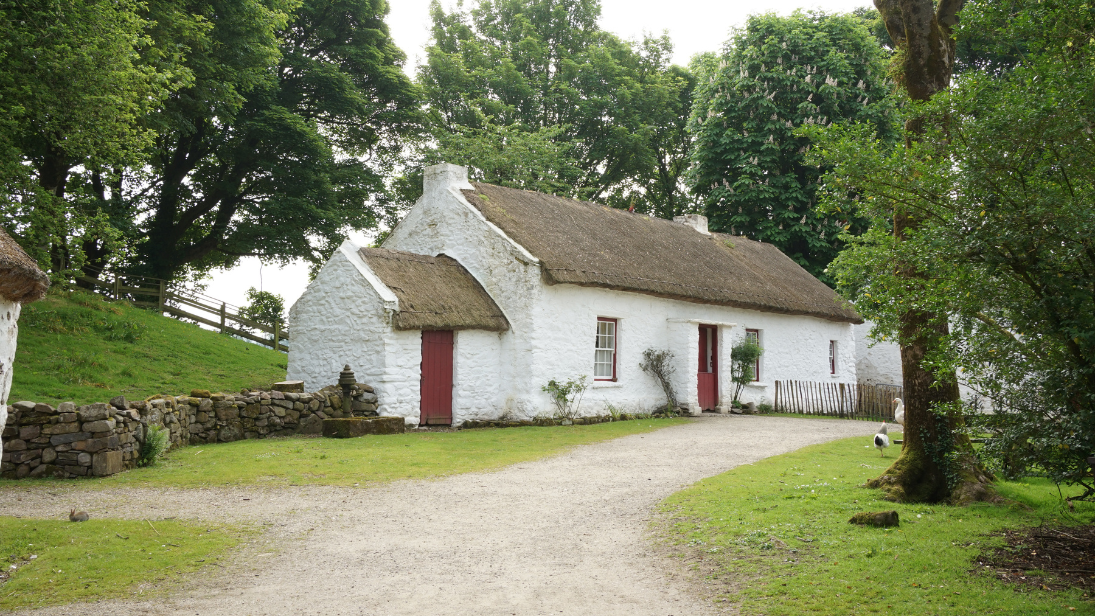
588	244
435	293
21	280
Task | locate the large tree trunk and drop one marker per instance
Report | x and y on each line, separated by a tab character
936	463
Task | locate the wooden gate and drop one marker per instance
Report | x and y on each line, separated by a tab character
707	377
436	390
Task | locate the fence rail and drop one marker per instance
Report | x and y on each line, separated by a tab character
170	299
852	400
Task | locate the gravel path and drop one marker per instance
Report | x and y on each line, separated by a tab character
562	535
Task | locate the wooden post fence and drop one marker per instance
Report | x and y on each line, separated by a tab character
854	400
166	299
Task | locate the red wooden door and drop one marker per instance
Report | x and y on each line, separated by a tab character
436	378
707	377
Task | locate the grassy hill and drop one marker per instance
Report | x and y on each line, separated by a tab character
76	346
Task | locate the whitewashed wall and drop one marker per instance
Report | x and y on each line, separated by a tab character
9	334
879	364
341	319
443	222
796	347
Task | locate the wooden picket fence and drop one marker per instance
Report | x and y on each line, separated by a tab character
850	400
183	303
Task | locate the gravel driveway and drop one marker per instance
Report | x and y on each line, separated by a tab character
562	535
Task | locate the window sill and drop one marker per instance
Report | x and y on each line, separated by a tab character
757	384
605	384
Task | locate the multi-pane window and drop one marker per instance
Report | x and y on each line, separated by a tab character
832	357
604	362
753	335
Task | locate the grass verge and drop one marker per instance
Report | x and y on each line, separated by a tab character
774	538
58	562
362	461
74	346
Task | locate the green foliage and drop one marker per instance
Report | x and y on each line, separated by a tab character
104	559
567	397
76	346
532	94
743	360
264	307
782	524
156	441
294	117
1002	189
748	163
73	88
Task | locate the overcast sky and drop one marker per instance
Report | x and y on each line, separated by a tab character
695	26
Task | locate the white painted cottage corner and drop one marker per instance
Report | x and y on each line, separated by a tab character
21	282
483	294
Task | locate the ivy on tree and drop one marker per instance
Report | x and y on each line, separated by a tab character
748	163
999	187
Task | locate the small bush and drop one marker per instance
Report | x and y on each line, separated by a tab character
765	408
567	397
743	356
154	445
659	364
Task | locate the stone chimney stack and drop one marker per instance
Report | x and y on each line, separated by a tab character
443	177
696	221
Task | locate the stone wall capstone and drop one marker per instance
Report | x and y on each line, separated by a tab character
40	440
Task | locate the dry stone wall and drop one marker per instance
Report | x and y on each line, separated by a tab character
40	440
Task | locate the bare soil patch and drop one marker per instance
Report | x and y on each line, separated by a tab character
1046	557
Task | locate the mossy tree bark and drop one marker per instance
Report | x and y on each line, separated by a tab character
936	463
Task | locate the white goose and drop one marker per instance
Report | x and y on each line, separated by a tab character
899	412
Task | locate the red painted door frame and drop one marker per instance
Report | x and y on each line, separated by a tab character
707	374
436	387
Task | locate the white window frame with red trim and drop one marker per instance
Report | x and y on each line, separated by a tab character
832	357
606	348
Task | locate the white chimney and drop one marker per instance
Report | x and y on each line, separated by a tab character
696	221
443	177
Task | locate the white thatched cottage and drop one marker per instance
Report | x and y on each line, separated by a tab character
483	294
21	281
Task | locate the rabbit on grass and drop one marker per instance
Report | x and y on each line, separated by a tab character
77	516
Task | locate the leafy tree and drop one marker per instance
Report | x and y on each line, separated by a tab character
748	163
295	116
743	360
979	256
264	307
533	94
73	86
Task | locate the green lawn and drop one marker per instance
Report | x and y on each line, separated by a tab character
368	459
59	562
77	347
781	527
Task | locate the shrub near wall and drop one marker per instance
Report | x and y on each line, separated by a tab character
102	439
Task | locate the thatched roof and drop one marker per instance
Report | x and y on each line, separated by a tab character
434	292
20	278
587	244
